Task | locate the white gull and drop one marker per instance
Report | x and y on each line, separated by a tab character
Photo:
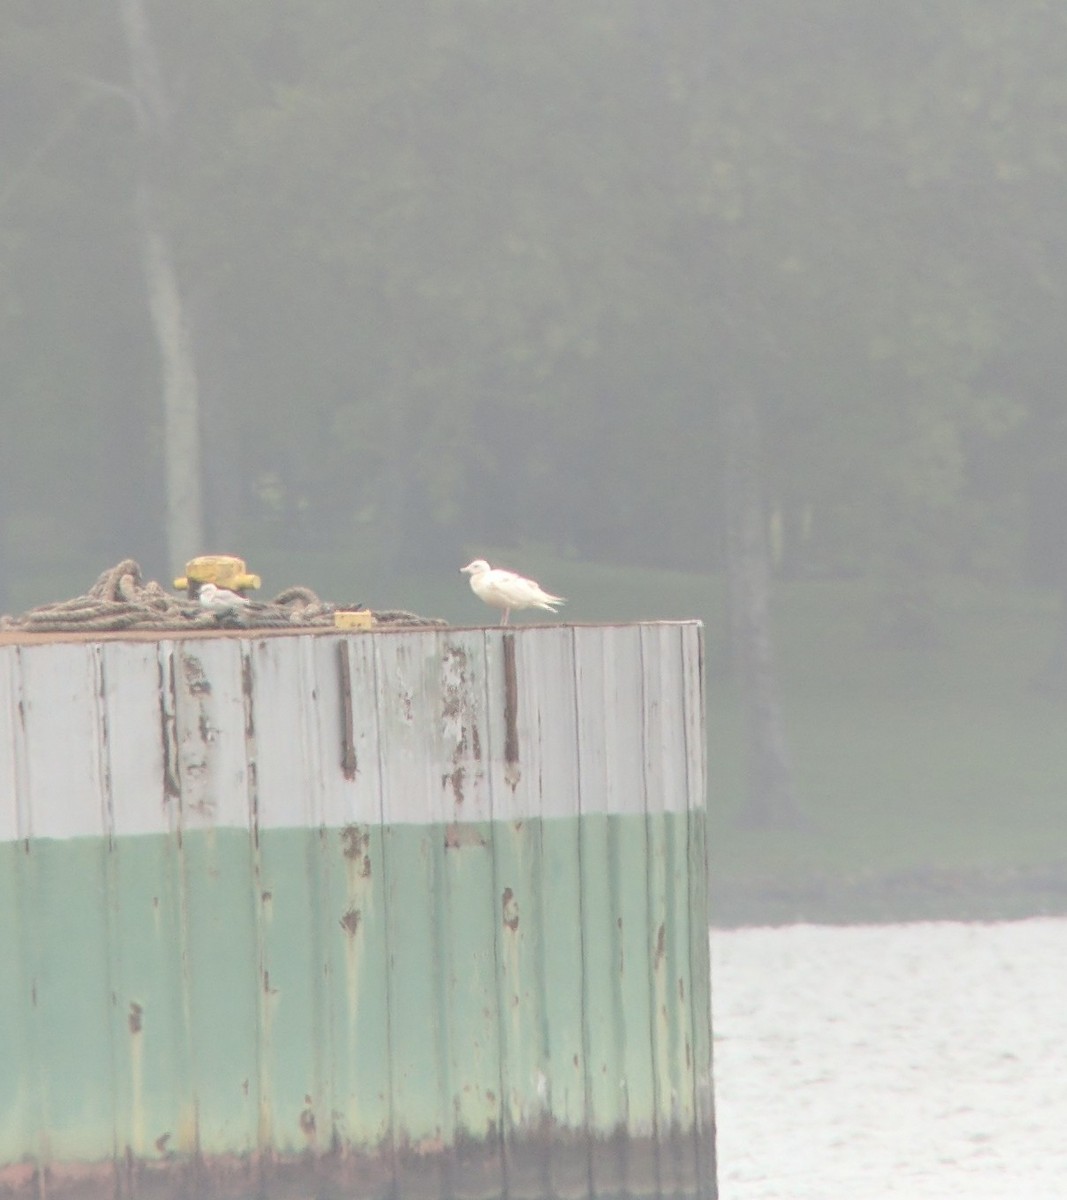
506	590
220	600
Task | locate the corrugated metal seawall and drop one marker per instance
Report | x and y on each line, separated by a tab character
412	914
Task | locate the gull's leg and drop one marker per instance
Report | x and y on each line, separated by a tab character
504	618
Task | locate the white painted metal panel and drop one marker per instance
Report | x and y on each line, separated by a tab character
608	663
405	671
58	695
347	733
664	718
547	726
179	711
281	720
210	722
140	801
696	746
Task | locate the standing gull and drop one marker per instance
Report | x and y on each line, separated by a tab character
506	590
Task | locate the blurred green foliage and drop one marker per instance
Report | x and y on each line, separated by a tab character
468	273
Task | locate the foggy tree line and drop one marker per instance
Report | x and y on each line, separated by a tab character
450	272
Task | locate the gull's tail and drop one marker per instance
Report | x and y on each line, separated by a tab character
549	602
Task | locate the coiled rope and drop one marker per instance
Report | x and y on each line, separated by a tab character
121	600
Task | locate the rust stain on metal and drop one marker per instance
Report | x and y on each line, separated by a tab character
253	791
355	845
454	661
511	910
356	848
472	1162
456	712
105	739
195	678
206	730
136	1018
349	762
511	709
455	779
246	693
168	730
307	1120
460	834
355	841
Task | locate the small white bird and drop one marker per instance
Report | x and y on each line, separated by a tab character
506	590
219	600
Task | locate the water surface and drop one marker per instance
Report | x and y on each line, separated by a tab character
924	1060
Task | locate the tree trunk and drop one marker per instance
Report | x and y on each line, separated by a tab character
770	800
181	401
1051	680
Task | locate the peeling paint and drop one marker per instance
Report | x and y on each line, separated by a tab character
511	910
195	678
167	721
459	834
455	779
355	841
511	713
307	1120
247	694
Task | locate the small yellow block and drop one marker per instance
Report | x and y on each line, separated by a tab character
354	620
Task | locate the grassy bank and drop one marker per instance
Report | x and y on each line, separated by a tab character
934	778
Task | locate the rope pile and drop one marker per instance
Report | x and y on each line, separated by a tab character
121	600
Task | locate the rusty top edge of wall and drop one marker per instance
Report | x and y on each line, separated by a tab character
17	637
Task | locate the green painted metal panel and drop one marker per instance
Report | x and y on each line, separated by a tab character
373	915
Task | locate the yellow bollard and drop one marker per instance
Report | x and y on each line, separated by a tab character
224	570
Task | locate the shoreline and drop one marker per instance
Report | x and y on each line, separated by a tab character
920	894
